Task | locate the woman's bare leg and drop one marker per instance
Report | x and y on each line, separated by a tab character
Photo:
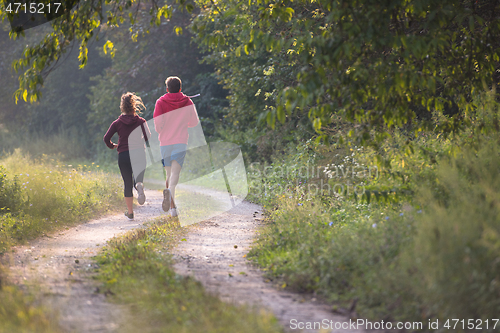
129	201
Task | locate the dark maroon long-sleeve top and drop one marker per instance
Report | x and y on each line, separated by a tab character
124	126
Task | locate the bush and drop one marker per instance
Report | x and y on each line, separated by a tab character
457	245
10	193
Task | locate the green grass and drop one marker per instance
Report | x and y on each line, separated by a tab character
42	195
137	270
340	254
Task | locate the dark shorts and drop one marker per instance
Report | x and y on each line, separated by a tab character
173	152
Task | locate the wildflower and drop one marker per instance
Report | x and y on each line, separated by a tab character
401	214
374	225
331	223
299	204
387	217
419	211
31	205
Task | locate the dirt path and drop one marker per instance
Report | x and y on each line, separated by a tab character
214	253
61	267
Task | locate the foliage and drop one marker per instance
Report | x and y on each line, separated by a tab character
341	251
79	26
65	105
378	64
10	193
137	271
457	246
431	254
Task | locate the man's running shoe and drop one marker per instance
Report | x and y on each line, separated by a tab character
173	212
141	198
166	200
129	216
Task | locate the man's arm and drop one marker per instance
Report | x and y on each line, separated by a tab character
158	121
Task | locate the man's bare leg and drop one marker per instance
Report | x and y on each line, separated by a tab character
168	172
167	197
175	171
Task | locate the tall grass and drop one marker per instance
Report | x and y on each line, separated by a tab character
457	245
20	313
40	195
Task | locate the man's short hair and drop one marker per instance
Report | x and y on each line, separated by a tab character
174	84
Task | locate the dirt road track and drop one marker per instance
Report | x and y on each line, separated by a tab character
214	253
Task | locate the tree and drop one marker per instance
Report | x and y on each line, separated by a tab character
80	25
374	62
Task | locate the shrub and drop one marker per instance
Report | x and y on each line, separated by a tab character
10	193
457	245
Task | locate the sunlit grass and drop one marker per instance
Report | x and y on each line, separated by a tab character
50	195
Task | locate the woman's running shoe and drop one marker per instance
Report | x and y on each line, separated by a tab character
129	216
141	198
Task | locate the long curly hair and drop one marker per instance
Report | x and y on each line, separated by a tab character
131	104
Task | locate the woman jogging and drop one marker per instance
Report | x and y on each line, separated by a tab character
125	124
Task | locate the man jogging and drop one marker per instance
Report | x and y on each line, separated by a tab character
174	114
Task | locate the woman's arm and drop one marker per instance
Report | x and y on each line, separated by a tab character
148	132
109	134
